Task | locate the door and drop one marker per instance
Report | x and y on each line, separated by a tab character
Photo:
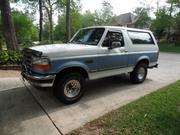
113	54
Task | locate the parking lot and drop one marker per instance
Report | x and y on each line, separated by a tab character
24	110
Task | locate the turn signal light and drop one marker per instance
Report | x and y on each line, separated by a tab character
40	67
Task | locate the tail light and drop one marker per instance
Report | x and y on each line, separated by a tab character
157	55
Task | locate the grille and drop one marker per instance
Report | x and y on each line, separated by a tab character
27	59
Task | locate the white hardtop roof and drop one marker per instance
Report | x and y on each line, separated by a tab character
119	27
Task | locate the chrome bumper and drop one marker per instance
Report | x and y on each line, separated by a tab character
39	80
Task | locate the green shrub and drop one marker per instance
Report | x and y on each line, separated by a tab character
44	42
26	45
9	57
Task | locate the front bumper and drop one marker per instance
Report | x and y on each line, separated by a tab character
39	80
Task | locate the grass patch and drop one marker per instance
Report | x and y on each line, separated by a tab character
169	48
155	114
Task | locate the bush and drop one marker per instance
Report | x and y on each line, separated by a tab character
25	45
9	57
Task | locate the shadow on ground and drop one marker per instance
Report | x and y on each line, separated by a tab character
20	114
94	90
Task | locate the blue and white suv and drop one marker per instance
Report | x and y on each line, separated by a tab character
93	53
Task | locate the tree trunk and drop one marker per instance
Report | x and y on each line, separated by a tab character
1	43
51	26
169	27
50	13
68	31
40	20
8	25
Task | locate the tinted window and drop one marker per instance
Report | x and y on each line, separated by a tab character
113	37
140	37
90	36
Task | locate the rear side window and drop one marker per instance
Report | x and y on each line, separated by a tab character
140	37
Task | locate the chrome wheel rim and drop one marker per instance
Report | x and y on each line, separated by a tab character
141	73
72	88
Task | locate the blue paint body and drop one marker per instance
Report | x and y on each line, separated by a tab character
95	64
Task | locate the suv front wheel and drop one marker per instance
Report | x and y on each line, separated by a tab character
69	88
139	73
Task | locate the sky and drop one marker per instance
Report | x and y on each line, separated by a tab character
120	6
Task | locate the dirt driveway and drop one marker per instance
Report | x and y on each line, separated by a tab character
25	110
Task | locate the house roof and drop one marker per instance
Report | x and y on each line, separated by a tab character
124	19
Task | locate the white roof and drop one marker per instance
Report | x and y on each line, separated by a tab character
119	27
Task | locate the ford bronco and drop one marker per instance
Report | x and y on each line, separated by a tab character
93	53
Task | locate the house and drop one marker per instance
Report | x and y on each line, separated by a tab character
125	20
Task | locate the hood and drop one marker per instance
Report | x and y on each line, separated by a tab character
65	50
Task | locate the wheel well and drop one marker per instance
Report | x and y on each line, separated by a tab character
146	61
73	69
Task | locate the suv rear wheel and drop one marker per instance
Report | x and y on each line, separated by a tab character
70	88
139	74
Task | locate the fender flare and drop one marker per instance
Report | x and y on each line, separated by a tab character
74	64
143	58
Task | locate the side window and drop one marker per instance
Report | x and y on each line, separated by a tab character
113	37
140	37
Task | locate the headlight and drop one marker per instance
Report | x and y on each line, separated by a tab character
40	61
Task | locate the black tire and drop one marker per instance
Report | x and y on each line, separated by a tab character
61	83
135	75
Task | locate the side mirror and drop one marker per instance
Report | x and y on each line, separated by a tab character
115	44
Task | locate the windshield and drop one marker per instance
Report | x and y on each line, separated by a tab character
89	36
